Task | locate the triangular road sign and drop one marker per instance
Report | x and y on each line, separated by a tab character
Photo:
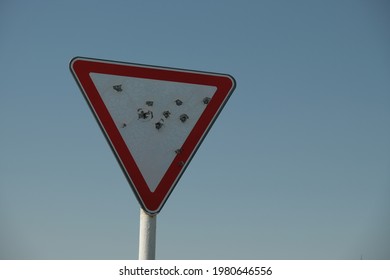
154	118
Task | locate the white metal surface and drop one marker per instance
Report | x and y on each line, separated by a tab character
147	236
139	109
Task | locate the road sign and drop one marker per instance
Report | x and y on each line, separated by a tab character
154	118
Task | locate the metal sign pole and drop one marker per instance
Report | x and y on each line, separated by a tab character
147	236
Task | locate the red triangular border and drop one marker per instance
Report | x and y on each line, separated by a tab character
152	202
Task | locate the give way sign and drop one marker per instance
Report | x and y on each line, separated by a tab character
154	118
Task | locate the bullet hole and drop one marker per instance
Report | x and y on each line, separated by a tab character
159	124
149	103
178	102
178	151
206	100
166	114
118	88
181	163
183	117
144	114
124	125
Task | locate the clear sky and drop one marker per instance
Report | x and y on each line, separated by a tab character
297	166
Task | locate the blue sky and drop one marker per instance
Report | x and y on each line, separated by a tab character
297	166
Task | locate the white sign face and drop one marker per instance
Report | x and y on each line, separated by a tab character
153	117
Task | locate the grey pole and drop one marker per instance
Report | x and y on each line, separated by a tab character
147	236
